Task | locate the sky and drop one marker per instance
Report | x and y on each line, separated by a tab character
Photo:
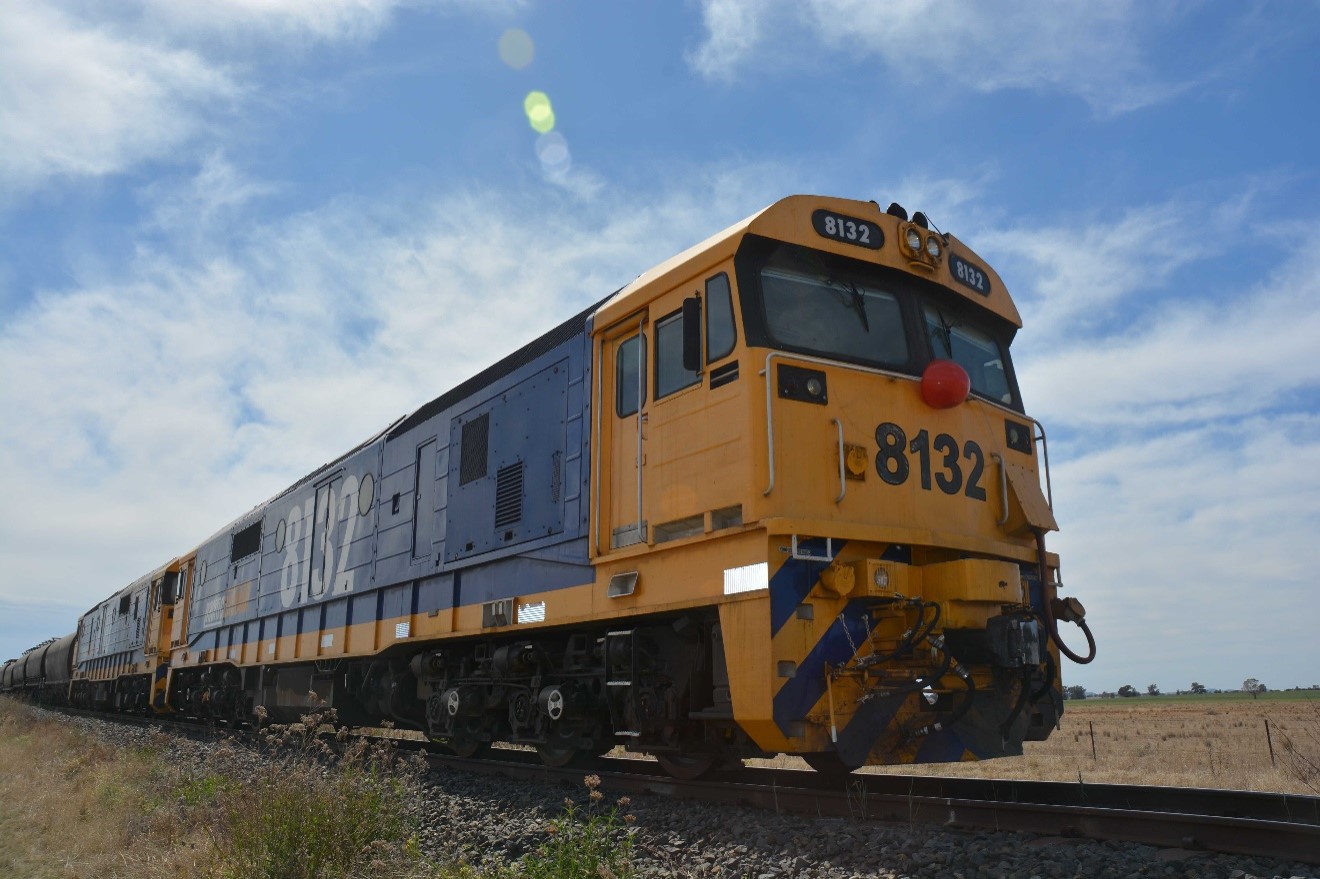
238	237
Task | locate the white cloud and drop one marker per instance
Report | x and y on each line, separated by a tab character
1092	50
733	31
77	99
158	403
1188	363
1194	551
1184	436
1139	350
1088	277
317	20
93	89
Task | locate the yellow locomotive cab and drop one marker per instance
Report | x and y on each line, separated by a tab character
879	566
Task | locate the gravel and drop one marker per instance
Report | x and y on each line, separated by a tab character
489	820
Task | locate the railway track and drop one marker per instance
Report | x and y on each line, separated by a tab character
1196	819
1232	822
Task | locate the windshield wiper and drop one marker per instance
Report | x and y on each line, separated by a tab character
945	331
857	301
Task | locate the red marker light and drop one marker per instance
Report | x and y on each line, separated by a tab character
944	384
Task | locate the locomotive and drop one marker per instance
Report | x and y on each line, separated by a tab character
777	495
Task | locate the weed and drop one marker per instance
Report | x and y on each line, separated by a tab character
321	811
591	842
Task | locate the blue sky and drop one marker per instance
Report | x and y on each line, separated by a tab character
238	237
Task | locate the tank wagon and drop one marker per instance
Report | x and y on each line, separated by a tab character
42	673
780	494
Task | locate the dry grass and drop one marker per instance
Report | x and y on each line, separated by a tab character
1192	742
316	807
71	807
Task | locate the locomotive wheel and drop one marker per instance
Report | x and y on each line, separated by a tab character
826	763
687	766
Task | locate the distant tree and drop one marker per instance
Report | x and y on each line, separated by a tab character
1127	690
1253	686
1152	690
1077	691
1198	689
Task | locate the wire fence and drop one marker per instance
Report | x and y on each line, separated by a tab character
1282	740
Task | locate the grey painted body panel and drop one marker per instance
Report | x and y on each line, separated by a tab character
114	631
427	536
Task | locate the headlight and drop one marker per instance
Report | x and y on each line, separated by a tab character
914	240
933	247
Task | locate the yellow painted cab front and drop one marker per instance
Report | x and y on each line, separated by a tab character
889	609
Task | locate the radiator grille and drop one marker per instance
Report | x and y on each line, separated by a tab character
508	494
472	460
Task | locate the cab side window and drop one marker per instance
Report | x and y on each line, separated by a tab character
670	375
630	377
720	332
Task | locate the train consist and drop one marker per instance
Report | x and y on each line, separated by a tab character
777	495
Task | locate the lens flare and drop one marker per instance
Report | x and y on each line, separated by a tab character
539	112
553	152
516	48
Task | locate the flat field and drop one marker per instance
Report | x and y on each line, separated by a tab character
1214	740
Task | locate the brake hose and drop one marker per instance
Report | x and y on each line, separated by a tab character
968	696
1023	694
1047	608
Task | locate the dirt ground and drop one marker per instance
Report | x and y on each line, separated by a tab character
1193	741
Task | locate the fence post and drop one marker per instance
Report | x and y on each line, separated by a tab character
1270	740
1091	723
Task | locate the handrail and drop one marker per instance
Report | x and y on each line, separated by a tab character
769	398
843	486
1045	457
1003	487
596	440
641	404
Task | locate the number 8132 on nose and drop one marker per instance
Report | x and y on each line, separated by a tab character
894	460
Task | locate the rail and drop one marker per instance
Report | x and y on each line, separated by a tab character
1226	821
1231	822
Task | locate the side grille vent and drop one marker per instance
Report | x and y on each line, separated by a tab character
556	476
472	460
508	494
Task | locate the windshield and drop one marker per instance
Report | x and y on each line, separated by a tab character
973	349
832	317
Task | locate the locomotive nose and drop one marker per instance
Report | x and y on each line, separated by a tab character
945	384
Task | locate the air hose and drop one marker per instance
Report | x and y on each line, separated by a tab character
919	632
1047	600
969	693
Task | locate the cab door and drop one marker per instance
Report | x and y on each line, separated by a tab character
182	600
623	414
150	644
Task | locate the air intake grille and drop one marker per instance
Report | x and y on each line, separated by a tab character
508	494
472	460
